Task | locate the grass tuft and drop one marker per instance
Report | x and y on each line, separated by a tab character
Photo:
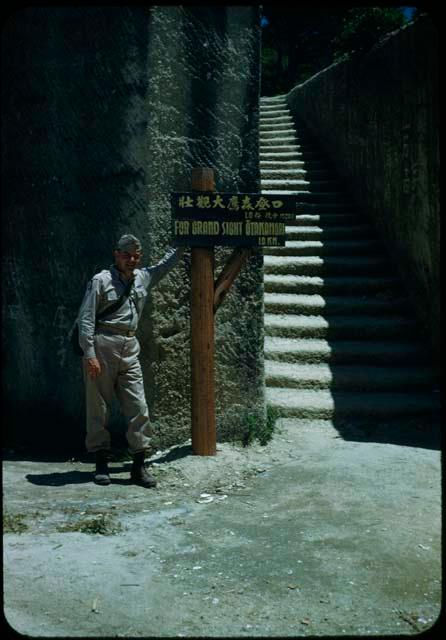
13	523
101	524
255	430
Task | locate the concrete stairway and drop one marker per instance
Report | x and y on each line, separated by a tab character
340	336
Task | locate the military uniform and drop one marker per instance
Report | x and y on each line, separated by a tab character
113	342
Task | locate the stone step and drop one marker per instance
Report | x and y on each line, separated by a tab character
319	208
266	142
280	147
296	168
279	136
296	163
314	208
381	286
324	404
266	104
326	248
266	116
330	220
315	266
303	151
279	123
285	139
329	186
327	233
308	166
303	197
314	304
283	155
274	118
340	327
278	130
357	377
313	351
279	165
271	104
275	122
273	110
266	109
304	193
287	136
268	133
282	96
290	173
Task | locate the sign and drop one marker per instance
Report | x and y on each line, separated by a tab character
242	219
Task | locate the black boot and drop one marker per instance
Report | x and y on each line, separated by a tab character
101	474
139	473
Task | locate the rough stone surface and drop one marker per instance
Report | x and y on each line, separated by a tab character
105	112
377	118
204	65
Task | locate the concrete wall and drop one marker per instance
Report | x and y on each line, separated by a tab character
105	112
377	117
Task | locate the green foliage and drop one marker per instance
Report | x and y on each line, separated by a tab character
364	26
269	55
301	40
271	63
298	39
261	432
13	523
102	524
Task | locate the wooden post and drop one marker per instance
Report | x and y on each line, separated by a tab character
204	439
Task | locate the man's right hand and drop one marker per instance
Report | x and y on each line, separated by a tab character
93	367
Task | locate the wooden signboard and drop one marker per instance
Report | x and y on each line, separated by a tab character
208	219
202	219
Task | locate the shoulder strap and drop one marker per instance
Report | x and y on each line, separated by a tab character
116	305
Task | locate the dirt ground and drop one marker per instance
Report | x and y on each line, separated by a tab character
314	534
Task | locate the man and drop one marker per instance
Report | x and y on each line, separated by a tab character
110	363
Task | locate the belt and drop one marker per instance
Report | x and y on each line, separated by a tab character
116	330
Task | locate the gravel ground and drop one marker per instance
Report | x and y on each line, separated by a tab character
314	534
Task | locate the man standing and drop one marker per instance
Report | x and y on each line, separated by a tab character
110	363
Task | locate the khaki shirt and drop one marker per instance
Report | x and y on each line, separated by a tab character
107	286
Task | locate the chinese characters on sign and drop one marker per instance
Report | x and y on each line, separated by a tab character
243	219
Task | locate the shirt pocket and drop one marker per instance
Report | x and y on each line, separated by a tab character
110	295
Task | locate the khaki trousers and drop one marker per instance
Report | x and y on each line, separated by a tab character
121	376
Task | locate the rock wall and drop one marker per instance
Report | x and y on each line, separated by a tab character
377	117
105	112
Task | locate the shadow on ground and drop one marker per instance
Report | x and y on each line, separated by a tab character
59	479
176	453
411	432
70	477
